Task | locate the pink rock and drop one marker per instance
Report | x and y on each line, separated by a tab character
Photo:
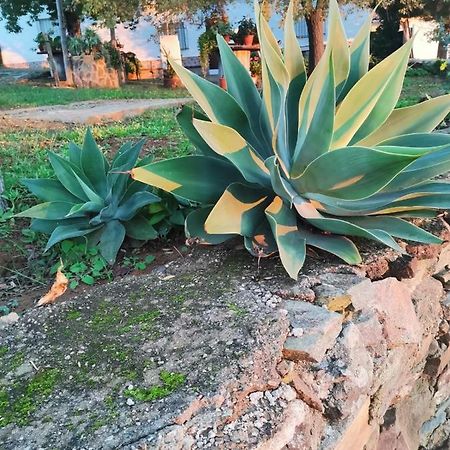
391	301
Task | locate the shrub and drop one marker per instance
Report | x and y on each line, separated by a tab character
311	161
92	199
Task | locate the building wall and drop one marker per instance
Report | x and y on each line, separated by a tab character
18	49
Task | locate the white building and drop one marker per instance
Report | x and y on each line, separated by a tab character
18	50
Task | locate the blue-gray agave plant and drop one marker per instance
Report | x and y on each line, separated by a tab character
91	198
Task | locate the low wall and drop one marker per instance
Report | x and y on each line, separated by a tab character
363	364
93	73
347	358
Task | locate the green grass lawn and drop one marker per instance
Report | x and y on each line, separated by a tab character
416	88
23	153
23	95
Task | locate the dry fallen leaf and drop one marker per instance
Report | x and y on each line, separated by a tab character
58	289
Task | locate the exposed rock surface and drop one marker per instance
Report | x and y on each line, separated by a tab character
207	352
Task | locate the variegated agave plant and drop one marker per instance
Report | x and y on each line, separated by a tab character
311	160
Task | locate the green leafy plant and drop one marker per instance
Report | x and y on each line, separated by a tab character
246	26
311	161
136	263
92	199
81	263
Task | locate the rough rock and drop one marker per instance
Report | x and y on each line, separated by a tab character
316	331
212	357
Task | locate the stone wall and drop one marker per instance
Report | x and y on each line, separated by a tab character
347	358
93	73
364	364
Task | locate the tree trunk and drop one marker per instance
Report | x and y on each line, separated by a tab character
63	33
73	23
51	59
113	38
314	22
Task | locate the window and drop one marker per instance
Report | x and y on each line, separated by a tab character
182	36
178	28
301	30
44	25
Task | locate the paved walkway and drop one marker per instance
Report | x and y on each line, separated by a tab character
91	112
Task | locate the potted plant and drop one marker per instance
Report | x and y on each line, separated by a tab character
246	30
171	79
40	41
255	67
224	29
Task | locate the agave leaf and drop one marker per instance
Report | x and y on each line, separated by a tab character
337	47
65	171
93	164
240	84
396	227
130	207
195	227
140	228
423	141
47	210
75	155
49	190
238	211
293	56
184	119
90	194
280	185
359	58
48	226
111	240
218	104
369	171
84	208
67	232
343	227
291	245
422	169
227	142
316	117
375	203
371	100
340	246
196	178
271	52
421	118
262	243
127	156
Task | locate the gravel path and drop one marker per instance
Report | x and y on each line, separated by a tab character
90	112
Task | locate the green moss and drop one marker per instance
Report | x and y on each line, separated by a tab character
73	315
17	405
3	350
171	381
237	310
106	316
145	321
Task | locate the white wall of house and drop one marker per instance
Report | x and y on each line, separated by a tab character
422	47
18	49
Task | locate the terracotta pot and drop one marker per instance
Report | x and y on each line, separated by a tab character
223	83
248	39
172	82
